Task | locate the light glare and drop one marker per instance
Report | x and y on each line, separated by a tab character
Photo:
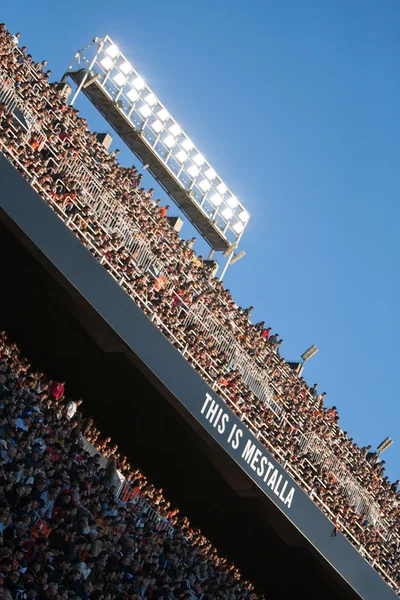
112	51
222	188
107	63
119	79
216	199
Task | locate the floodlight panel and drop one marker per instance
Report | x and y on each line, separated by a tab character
163	114
244	216
181	156
126	67
204	185
138	83
193	171
112	50
216	199
221	188
169	141
132	95
175	129
107	63
151	99
145	111
210	174
119	79
199	159
227	213
187	145
238	227
232	202
157	126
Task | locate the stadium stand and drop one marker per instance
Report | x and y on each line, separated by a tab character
126	231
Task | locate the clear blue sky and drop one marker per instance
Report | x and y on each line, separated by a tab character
296	105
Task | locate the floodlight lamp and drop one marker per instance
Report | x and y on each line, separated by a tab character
210	174
112	51
119	79
132	95
232	202
151	99
157	126
199	160
309	353
181	156
175	129
138	83
204	185
216	199
384	445
145	111
244	216
169	141
107	63
193	171
163	114
226	213
187	145
126	67
221	188
238	227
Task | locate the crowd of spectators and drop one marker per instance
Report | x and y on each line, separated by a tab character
57	137
64	533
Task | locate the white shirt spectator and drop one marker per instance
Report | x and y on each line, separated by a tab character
71	410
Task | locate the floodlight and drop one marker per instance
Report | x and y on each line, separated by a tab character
385	445
204	185
193	171
151	99
232	202
119	79
309	353
126	67
226	213
138	83
163	114
181	156
157	126
237	257
169	141
107	63
216	199
244	216
238	227
222	188
187	145
210	174
112	51
132	95
145	110
175	129
199	160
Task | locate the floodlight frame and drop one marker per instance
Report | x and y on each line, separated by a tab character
166	156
